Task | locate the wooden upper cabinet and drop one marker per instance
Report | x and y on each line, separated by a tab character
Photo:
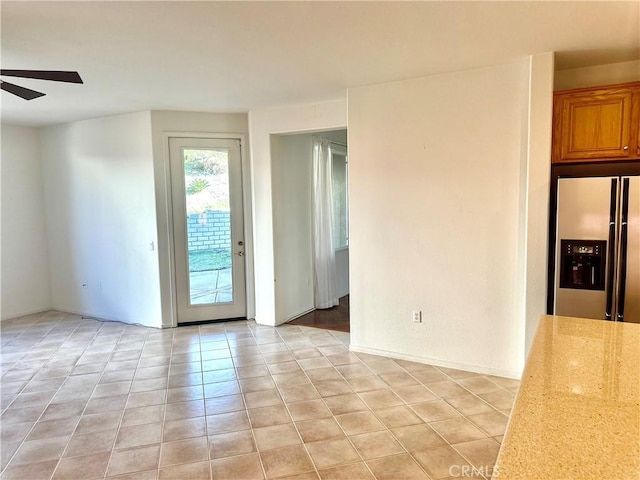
595	124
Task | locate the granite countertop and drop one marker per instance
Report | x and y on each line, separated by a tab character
577	411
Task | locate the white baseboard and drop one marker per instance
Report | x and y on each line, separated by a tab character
437	363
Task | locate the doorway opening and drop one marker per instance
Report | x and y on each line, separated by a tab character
296	229
208	229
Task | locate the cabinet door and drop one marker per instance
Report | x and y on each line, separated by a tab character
595	125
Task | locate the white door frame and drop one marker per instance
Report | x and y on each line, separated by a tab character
248	223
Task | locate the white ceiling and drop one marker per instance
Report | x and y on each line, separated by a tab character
238	56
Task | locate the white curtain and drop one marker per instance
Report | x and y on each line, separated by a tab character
324	257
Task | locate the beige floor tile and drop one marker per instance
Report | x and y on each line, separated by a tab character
133	460
415	394
92	443
86	468
418	437
501	399
286	461
308	410
220	389
138	435
329	453
241	467
456	374
184	410
436	410
399	380
232	443
291	379
185	379
457	430
185	428
145	399
267	416
111	389
117	376
330	388
441	462
264	398
376	444
359	422
60	410
378	399
184	451
30	415
250	371
256	384
276	436
494	423
313	363
37	451
478	384
62	427
230	403
319	429
396	467
469	404
149	384
340	404
324	375
215	376
185	394
430	375
284	367
188	471
446	389
227	422
33	471
298	393
398	416
481	454
302	476
142	415
354	471
15	432
106	404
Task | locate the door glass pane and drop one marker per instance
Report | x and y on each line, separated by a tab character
206	184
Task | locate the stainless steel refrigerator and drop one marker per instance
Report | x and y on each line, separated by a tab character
597	260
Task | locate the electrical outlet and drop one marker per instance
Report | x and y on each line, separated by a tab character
417	316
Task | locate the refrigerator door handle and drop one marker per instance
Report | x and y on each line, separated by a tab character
611	249
622	272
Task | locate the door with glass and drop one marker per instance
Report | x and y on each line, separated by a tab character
208	228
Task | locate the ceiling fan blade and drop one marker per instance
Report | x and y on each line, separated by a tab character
21	92
52	75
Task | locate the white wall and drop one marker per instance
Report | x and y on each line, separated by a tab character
262	124
536	193
176	122
597	75
292	224
25	258
101	218
435	179
342	271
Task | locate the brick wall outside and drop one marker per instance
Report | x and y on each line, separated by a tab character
209	230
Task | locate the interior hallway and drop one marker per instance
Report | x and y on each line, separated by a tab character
88	399
336	318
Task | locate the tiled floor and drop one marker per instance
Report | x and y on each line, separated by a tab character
83	399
